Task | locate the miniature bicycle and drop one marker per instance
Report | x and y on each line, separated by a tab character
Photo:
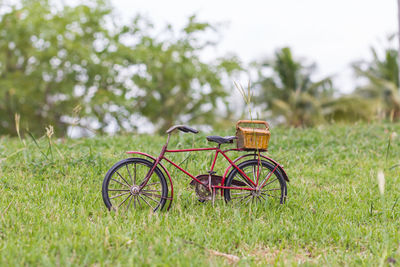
140	181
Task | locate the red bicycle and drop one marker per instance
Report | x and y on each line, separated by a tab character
140	181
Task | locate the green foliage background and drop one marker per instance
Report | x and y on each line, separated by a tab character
77	66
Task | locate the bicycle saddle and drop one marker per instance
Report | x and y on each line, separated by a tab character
220	139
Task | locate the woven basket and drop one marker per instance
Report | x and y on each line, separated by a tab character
250	137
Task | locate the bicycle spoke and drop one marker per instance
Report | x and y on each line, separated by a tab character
134	178
258	171
130	176
127	208
249	175
138	201
265	180
152	184
122	178
249	195
120	182
240	193
248	200
152	198
272	192
242	202
270	182
118	190
119	195
244	197
158	203
148	190
240	199
263	197
254	173
146	202
244	179
151	194
270	195
273	189
124	201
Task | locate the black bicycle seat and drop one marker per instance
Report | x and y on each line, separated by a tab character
220	139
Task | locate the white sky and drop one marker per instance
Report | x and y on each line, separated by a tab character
332	33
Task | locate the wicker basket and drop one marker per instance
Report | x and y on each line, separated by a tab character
251	137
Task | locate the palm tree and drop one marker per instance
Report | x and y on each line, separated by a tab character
348	108
381	74
285	87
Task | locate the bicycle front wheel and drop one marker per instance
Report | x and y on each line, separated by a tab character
124	189
271	184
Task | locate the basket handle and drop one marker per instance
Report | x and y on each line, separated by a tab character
250	121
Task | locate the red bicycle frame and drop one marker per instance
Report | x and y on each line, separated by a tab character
254	184
217	151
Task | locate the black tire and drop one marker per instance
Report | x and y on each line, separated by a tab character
122	184
274	188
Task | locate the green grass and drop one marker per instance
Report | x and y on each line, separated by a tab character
52	212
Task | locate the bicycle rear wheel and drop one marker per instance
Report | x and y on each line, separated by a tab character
123	186
271	186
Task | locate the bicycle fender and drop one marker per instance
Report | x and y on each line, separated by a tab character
280	167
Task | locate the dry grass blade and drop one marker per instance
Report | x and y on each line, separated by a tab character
245	95
17	121
381	182
37	145
231	258
394	166
49	131
6	209
392	136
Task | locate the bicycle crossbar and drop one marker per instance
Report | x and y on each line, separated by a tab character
191	149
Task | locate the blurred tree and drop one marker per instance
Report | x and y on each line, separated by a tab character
176	85
348	108
382	82
285	87
64	65
52	63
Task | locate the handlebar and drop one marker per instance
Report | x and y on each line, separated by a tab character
182	128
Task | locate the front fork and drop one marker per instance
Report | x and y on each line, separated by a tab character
158	159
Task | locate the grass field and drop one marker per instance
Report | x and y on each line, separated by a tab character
52	212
